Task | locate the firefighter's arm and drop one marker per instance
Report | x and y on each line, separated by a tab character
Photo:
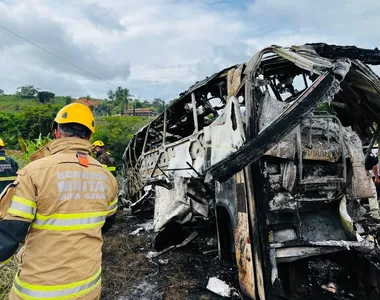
112	207
20	213
102	159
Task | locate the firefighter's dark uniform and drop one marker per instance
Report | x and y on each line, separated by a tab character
8	170
106	160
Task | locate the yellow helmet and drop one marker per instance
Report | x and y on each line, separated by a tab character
1	143
97	144
75	113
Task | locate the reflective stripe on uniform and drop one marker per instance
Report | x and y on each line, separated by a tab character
65	291
77	221
111	169
112	206
2	158
22	207
9	178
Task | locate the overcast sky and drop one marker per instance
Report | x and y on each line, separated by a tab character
158	48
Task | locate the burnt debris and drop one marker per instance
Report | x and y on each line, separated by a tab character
271	151
367	56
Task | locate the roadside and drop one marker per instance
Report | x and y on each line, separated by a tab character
180	274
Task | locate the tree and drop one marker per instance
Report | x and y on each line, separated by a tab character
138	103
68	100
36	120
159	105
122	97
146	103
1	92
27	91
111	95
45	96
103	108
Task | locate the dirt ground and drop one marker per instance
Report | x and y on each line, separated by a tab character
184	273
179	274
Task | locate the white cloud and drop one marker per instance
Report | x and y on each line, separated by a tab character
159	48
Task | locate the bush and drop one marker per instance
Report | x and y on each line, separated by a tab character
115	133
9	129
29	124
31	147
37	120
45	96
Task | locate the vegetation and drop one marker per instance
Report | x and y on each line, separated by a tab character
20	157
7	276
45	97
116	103
26	118
37	120
30	147
15	104
121	98
115	133
27	91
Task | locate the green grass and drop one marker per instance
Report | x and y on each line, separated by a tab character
13	103
7	275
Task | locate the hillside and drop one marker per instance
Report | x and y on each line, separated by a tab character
14	103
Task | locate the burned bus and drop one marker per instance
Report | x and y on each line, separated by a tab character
272	151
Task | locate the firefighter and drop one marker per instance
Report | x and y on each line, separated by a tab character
61	204
8	168
104	157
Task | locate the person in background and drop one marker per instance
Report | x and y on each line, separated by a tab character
8	168
104	157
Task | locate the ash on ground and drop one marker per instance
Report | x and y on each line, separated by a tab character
183	273
177	274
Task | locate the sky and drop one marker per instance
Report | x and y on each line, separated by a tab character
158	48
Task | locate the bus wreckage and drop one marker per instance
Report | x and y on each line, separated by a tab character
272	151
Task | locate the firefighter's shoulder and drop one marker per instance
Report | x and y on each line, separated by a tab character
39	164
